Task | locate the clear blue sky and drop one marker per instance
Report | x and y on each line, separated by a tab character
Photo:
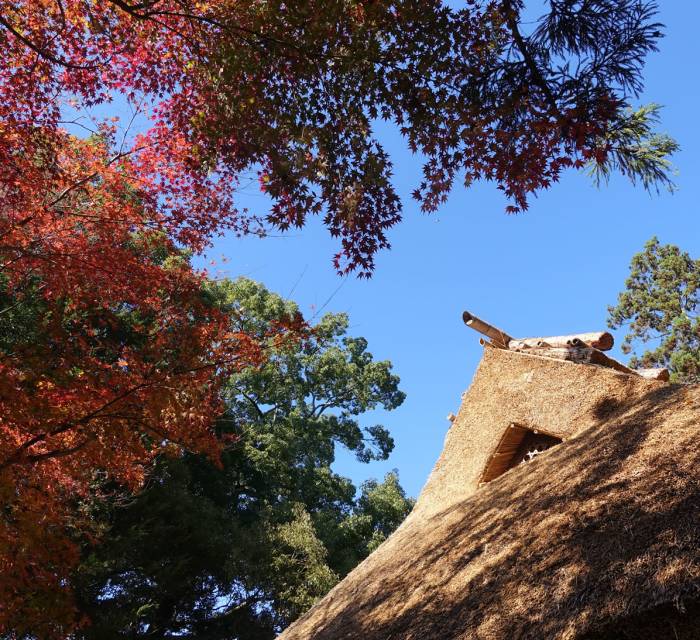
552	270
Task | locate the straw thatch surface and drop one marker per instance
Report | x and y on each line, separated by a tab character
596	538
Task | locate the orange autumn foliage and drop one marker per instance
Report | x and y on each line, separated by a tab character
123	361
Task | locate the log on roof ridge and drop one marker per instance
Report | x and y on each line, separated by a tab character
601	340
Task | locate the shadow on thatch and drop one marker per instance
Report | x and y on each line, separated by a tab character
591	537
663	621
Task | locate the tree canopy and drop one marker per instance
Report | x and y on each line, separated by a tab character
240	550
292	92
87	389
659	307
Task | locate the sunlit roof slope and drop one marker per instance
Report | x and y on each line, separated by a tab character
595	537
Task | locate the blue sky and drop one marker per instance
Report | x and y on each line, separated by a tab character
551	270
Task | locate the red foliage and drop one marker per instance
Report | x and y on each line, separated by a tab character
291	91
123	354
122	358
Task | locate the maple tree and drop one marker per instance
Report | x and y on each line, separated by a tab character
292	90
111	350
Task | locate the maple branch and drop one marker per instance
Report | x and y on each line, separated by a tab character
132	10
11	307
40	51
135	112
16	457
27	219
58	453
62	11
164	436
94	174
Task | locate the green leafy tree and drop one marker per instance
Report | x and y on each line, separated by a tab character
242	549
659	306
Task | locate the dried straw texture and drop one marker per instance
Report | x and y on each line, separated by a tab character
597	538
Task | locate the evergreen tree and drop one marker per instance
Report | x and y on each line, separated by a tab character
660	308
242	549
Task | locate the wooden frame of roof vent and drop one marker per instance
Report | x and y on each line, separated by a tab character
517	445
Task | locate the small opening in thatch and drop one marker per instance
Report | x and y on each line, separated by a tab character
518	445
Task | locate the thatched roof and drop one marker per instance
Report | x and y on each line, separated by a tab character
598	537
